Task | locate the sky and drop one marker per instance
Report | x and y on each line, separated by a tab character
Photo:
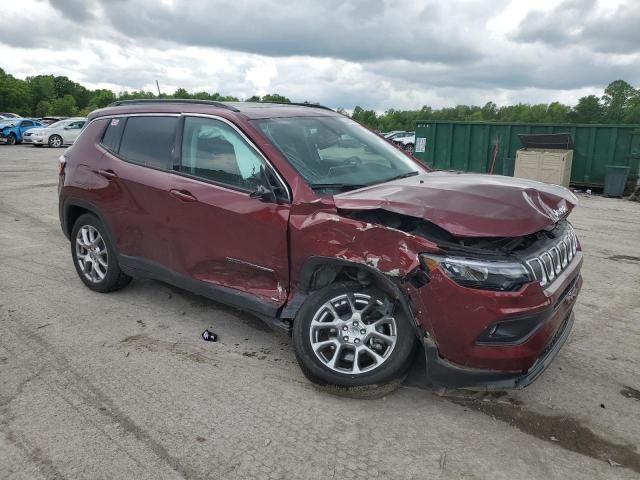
378	54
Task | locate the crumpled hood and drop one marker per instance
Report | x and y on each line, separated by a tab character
468	205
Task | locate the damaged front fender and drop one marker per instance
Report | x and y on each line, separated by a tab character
324	238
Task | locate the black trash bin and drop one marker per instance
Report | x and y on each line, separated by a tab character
615	180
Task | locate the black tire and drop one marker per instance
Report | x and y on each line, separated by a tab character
409	148
389	373
55	141
114	279
11	140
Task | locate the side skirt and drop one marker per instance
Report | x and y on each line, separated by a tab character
143	269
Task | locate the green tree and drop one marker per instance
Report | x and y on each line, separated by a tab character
65	106
490	111
275	98
181	93
43	108
101	98
616	100
15	95
589	109
42	87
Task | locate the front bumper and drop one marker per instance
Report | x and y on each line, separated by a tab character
443	374
454	324
34	140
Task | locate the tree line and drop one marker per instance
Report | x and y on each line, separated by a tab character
45	95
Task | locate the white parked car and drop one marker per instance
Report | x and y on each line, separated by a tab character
406	143
57	134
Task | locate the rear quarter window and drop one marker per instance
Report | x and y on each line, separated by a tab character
111	136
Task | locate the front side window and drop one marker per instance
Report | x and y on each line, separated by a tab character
214	151
149	140
336	153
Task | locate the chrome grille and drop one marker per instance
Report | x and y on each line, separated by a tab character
548	264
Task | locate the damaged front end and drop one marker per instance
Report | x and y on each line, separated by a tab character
490	310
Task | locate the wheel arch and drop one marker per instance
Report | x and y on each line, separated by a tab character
74	208
318	272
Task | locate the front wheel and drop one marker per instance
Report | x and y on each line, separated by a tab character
351	336
11	140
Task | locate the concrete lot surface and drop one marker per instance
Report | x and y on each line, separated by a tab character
122	386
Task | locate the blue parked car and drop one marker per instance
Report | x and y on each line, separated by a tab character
12	129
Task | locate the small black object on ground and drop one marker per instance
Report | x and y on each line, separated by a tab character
209	336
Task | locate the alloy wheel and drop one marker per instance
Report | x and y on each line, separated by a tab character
353	333
91	254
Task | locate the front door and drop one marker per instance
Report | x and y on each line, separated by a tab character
218	234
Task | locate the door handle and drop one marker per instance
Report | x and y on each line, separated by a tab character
183	195
108	174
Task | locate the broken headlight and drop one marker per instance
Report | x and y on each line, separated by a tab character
484	274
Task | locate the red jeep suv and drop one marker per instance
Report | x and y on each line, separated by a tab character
319	226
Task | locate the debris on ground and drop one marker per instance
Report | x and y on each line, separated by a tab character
443	460
209	336
613	463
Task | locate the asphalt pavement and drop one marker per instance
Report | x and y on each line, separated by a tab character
122	386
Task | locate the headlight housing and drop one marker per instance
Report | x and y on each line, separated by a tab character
497	275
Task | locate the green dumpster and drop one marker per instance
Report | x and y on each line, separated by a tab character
615	180
508	166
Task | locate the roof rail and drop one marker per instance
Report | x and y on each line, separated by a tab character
142	101
302	104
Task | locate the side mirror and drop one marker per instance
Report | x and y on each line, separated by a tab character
265	190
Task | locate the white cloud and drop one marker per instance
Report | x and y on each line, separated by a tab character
378	54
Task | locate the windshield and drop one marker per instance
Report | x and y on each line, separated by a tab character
336	152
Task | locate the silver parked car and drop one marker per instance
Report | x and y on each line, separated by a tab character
57	134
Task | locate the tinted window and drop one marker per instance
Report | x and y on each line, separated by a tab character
149	140
26	123
111	137
213	150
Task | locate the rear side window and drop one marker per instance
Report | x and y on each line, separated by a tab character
149	140
111	137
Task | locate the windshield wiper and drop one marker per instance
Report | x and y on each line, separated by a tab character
337	186
403	175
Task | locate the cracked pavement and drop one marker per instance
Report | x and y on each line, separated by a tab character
122	385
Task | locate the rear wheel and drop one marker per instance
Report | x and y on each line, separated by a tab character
409	148
94	256
55	141
351	336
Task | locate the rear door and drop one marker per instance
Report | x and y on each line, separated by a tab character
136	166
72	130
219	235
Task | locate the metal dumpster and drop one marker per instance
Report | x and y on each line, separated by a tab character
472	146
615	180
